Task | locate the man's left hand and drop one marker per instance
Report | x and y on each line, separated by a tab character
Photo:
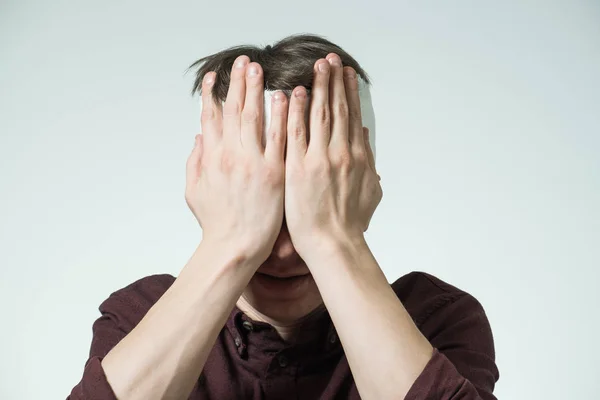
331	186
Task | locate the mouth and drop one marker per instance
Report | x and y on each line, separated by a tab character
284	286
281	277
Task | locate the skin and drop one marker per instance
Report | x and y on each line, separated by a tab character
331	190
331	193
285	310
239	192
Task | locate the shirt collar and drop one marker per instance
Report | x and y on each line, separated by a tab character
317	335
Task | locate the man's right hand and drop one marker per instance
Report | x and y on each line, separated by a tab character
234	184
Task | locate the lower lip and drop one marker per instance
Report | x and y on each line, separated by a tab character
276	284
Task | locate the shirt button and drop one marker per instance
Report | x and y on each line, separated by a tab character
238	342
283	361
248	325
332	338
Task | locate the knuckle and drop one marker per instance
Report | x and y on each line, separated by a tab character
232	108
354	113
322	114
275	136
227	162
340	110
298	131
360	157
343	160
250	116
247	169
321	169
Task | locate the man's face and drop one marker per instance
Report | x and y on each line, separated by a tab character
283	299
284	260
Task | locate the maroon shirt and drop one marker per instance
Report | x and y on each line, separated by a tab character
251	361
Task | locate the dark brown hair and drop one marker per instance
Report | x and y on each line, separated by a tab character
286	64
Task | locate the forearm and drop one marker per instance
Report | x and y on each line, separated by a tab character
385	350
163	356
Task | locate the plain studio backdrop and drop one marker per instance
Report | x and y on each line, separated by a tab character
488	138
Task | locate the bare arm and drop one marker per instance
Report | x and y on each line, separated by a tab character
400	362
331	193
236	193
163	356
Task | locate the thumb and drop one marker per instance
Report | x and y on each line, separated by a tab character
370	155
193	161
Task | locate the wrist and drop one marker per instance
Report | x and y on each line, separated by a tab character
234	253
320	246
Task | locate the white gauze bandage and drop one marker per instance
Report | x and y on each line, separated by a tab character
366	109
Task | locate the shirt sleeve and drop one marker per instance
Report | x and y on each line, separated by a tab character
93	384
462	365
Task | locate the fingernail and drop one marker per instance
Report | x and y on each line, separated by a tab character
323	67
349	73
278	97
240	63
300	93
208	78
252	70
335	61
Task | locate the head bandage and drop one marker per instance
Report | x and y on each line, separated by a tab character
366	109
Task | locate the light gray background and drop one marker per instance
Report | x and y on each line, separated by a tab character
488	145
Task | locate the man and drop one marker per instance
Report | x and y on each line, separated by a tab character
283	299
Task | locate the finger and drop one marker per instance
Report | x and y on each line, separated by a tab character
338	103
368	148
235	102
192	166
296	125
252	114
276	136
211	119
357	144
319	108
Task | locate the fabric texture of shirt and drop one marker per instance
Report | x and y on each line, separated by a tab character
250	360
